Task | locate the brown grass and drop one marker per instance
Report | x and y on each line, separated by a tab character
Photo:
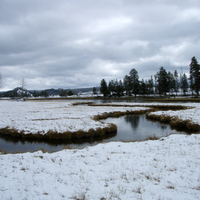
82	103
175	121
54	135
111	128
158	107
105	115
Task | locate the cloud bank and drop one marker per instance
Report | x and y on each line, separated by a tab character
71	44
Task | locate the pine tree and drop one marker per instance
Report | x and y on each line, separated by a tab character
143	87
150	86
162	81
134	79
111	87
63	93
70	93
127	85
104	88
94	90
176	82
194	76
170	82
120	88
116	87
35	94
184	83
44	93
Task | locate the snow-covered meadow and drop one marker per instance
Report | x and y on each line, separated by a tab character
59	116
163	169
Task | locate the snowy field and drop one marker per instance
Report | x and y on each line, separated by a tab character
163	169
59	116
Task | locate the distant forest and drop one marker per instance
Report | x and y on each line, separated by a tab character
161	83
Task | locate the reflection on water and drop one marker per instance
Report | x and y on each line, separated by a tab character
133	121
129	128
137	127
11	145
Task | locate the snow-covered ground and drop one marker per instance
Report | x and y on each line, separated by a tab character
163	169
60	116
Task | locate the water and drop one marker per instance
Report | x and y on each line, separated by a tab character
12	145
137	127
137	100
130	128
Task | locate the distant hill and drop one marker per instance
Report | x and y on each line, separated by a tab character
19	92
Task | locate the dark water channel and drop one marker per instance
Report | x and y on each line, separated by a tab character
130	128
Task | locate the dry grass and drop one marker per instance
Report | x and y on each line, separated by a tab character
111	128
54	135
154	107
82	103
105	115
175	121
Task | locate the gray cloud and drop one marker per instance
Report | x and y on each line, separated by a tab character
71	44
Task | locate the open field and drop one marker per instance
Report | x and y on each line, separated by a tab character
162	169
49	119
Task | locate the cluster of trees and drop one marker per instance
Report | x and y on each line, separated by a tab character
42	93
64	93
162	83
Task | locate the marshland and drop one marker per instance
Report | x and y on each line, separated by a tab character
157	167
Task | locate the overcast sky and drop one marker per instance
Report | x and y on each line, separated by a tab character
77	43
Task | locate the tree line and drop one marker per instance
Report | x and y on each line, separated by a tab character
161	83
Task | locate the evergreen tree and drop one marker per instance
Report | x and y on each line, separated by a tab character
63	93
195	76
162	81
192	88
111	86
35	94
120	88
104	88
134	79
115	86
184	83
176	82
150	89
143	87
170	82
44	93
156	83
94	90
127	85
69	93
